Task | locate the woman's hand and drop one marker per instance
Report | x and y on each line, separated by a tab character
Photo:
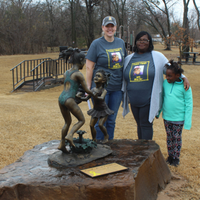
186	83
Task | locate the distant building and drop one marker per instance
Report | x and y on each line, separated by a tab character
157	38
197	41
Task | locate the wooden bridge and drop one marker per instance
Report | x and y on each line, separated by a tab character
34	75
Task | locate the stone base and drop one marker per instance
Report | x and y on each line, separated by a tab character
63	160
31	178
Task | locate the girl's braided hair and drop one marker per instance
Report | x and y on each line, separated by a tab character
175	67
106	76
75	55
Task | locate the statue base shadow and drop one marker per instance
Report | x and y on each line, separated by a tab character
32	178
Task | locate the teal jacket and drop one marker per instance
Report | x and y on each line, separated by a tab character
177	103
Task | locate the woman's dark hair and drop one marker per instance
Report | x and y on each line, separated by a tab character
106	76
138	36
175	67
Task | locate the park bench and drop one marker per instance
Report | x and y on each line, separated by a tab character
187	56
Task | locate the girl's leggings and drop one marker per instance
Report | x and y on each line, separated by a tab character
174	139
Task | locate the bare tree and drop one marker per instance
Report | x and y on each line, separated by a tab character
158	18
198	13
90	4
185	47
51	6
178	37
193	27
28	26
15	26
73	20
23	27
119	7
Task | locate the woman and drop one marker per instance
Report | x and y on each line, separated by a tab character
144	89
107	53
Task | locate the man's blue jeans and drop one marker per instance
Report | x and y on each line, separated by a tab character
113	100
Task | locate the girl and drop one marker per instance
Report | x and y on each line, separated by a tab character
72	79
177	110
100	110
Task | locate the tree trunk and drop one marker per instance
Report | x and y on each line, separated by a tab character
73	22
185	47
89	7
198	14
168	45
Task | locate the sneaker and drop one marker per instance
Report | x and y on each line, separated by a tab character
169	160
175	162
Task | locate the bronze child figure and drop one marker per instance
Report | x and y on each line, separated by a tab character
100	110
72	79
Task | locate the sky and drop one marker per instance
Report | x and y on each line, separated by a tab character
179	8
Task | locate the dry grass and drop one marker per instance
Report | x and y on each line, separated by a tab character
28	119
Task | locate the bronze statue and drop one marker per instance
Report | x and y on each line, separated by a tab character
100	110
72	79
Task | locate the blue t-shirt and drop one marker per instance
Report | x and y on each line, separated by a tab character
108	56
139	76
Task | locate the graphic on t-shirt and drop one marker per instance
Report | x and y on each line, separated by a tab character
115	58
139	71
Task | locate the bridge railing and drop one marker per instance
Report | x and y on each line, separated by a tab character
29	70
48	69
22	71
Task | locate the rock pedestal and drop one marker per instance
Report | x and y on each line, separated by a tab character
32	178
